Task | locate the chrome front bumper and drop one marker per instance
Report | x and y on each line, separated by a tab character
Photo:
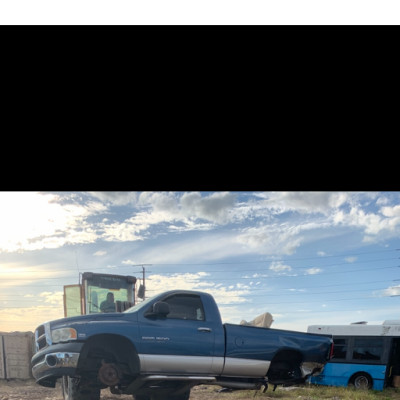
53	361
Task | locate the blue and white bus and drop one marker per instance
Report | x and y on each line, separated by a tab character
365	356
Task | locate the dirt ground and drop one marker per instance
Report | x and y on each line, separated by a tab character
29	390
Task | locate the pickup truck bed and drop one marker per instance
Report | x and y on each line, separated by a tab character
164	346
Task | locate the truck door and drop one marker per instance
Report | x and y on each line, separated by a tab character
182	341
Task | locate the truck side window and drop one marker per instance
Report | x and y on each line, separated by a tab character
184	306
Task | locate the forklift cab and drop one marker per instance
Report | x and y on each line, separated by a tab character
87	296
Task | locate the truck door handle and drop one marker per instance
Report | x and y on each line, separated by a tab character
204	329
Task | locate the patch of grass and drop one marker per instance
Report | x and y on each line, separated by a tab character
308	392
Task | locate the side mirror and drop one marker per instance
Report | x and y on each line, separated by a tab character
161	309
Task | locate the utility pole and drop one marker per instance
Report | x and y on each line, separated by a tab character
144	282
142	288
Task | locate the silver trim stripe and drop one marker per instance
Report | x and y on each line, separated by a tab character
245	367
203	365
180	364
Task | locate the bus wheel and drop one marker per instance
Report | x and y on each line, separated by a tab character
361	380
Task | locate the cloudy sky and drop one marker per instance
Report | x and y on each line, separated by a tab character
305	257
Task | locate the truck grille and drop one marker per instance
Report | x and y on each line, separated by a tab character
41	337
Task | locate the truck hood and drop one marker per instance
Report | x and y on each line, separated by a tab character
85	319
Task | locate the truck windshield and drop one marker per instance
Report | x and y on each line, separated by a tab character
138	306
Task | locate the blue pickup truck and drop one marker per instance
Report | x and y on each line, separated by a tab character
164	346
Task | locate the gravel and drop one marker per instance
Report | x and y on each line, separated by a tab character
29	390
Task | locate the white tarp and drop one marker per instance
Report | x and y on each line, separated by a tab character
262	321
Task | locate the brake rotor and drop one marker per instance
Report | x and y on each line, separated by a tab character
109	374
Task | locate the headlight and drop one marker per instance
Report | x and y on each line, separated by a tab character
63	335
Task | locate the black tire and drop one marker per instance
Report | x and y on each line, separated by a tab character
183	396
71	390
361	380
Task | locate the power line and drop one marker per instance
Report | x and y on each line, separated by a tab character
10	297
204	264
268	269
280	259
30	279
290	274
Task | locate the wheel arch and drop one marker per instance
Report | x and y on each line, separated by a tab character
358	374
291	355
107	344
286	366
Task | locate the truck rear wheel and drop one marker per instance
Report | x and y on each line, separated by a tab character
73	389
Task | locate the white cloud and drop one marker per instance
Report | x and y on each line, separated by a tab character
391	291
53	297
257	275
189	206
197	281
391	211
177	214
215	207
279	267
44	220
116	198
372	223
377	225
271	238
313	271
17	274
382	200
123	232
160	201
32	221
204	248
306	202
339	217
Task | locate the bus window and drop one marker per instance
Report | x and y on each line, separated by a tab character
367	348
340	349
